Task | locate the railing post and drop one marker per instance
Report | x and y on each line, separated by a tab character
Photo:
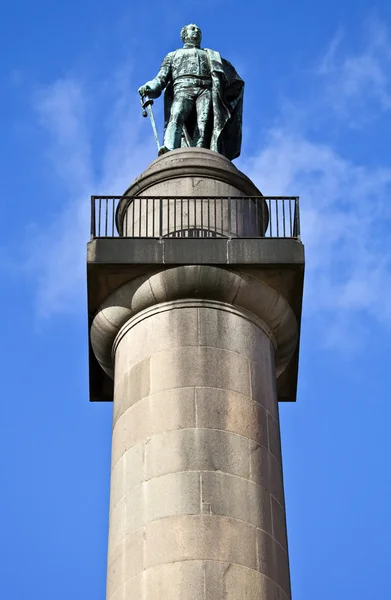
229	218
160	218
92	217
297	219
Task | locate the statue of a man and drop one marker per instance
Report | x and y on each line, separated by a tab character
203	98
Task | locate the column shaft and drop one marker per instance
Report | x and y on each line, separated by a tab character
197	503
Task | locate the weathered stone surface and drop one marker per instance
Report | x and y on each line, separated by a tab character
192	366
119	594
124	562
197	450
238	498
164	411
116	575
166	496
227	581
178	581
177	328
273	428
117	481
117	524
273	560
266	471
131	387
200	537
118	445
134	466
263	383
134	559
222	329
218	173
134	588
279	523
230	411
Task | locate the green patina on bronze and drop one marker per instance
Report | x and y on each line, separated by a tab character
203	99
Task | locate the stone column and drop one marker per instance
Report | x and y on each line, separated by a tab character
197	502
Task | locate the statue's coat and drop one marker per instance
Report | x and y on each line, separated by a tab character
227	103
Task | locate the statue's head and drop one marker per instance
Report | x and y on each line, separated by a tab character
191	34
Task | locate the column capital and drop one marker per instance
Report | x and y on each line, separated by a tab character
196	282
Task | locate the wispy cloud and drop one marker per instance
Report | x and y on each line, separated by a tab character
345	209
358	81
345	216
66	111
345	224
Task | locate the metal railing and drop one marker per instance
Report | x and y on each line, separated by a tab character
190	217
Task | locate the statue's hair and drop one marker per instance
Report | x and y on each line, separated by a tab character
183	30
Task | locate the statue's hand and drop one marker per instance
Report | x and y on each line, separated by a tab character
144	89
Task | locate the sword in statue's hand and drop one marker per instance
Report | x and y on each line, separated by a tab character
146	105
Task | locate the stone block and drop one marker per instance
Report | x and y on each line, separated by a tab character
273	561
134	554
274	437
230	411
134	509
134	466
161	329
266	471
118	445
117	481
238	498
264	385
227	581
200	538
191	252
228	330
176	581
172	494
164	411
117	524
130	387
279	523
119	594
197	450
116	576
200	366
166	496
134	588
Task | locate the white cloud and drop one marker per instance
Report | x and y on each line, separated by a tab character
345	216
358	81
57	252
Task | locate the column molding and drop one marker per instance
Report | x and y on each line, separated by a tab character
202	282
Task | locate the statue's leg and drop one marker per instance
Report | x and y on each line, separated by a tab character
180	110
204	116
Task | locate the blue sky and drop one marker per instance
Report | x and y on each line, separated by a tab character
317	124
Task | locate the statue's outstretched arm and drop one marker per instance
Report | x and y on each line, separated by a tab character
155	87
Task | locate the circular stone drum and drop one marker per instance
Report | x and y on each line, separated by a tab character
209	198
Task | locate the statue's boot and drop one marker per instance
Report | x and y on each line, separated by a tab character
163	150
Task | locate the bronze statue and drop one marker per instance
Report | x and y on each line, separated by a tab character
203	98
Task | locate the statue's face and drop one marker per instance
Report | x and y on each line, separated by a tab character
192	33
